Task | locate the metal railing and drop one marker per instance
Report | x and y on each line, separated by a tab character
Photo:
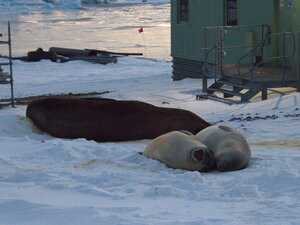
219	47
283	56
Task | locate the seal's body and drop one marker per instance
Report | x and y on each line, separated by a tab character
109	120
179	150
230	148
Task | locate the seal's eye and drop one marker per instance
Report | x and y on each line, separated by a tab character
208	154
197	155
225	128
186	132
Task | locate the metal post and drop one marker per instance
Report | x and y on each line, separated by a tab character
204	78
283	60
252	60
216	61
264	93
204	84
221	51
298	61
10	66
262	41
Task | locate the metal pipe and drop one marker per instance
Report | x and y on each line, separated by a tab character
221	50
235	27
204	79
262	39
283	60
10	66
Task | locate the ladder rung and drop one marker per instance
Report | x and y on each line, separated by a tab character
5	76
4	64
4	81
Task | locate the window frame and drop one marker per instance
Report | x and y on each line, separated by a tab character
231	13
183	13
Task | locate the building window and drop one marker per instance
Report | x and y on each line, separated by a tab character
183	10
232	12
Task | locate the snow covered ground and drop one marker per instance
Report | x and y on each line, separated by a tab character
51	181
45	180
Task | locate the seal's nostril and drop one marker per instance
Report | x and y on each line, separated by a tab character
198	154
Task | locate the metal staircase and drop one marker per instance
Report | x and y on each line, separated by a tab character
238	87
6	63
245	80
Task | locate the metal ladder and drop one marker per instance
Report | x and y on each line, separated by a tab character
7	77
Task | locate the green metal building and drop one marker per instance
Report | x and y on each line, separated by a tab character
251	43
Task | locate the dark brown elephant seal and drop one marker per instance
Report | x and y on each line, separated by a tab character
230	148
181	150
106	120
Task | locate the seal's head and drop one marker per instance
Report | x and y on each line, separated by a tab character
230	160
181	150
200	158
230	148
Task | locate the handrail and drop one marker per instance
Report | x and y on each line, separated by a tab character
225	28
263	44
222	30
284	34
260	45
213	47
236	27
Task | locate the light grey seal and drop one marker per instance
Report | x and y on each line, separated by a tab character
230	148
180	150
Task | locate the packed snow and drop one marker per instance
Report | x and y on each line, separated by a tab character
52	181
46	180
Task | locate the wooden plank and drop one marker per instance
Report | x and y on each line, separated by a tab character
114	53
216	98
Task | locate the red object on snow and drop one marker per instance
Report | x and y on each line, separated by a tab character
141	30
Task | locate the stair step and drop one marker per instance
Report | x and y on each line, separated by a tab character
232	84
225	91
236	79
